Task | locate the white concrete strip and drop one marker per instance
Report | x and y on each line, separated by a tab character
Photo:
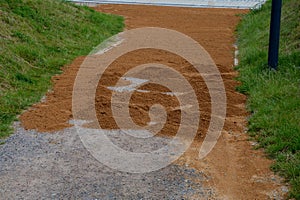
242	4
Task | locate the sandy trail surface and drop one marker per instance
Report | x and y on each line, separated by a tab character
35	165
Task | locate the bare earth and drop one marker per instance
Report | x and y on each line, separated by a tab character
233	170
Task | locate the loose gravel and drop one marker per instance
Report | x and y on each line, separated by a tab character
57	166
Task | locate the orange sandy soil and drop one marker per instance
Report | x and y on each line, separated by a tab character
236	170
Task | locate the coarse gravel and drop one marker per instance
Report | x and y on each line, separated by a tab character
36	165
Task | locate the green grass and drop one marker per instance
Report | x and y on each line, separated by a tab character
274	96
37	38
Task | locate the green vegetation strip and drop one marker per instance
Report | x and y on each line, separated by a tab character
37	38
274	96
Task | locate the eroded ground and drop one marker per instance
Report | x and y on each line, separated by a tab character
233	170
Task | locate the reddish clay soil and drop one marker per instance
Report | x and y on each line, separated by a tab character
236	170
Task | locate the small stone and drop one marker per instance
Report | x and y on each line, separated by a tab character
284	189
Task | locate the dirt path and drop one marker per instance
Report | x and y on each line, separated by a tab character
235	170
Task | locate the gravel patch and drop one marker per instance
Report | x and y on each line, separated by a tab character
57	166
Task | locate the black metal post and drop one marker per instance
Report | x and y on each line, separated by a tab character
274	34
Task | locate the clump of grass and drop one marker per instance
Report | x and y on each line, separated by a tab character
274	96
37	38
